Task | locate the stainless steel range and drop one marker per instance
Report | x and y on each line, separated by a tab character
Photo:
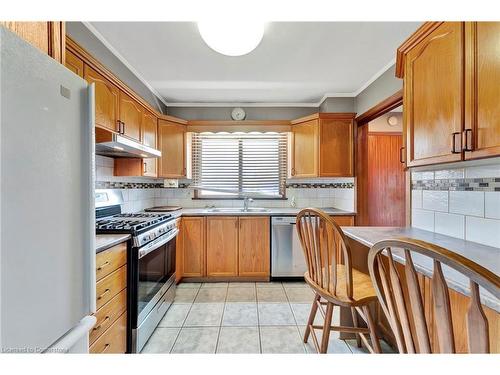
151	262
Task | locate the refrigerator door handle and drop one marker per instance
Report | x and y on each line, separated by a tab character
76	340
92	265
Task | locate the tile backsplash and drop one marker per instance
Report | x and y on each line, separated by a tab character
462	202
139	192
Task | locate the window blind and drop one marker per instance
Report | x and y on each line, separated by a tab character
239	164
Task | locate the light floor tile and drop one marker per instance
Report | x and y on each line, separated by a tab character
301	313
240	314
196	340
284	340
299	295
351	343
214	285
205	314
270	284
175	316
271	295
185	295
335	345
161	341
241	285
241	295
211	295
295	284
275	314
239	340
188	285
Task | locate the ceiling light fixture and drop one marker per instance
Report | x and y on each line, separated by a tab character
231	38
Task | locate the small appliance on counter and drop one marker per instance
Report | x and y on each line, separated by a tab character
163	209
151	271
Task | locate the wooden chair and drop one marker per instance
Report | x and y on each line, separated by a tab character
333	279
401	300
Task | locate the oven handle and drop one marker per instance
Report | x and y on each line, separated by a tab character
145	250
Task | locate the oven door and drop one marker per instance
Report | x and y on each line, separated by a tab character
156	269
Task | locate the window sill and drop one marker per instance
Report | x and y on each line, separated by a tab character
237	199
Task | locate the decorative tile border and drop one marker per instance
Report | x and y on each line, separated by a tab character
335	185
463	184
134	185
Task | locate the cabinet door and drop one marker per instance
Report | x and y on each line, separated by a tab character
130	116
149	167
304	161
434	76
171	143
193	241
106	99
336	148
482	133
74	63
254	247
149	129
222	246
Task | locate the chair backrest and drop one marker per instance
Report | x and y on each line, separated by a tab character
324	247
401	299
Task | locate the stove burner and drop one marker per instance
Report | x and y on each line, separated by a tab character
131	222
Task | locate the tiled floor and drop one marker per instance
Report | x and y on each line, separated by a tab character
241	318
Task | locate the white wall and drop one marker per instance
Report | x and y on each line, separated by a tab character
380	123
472	215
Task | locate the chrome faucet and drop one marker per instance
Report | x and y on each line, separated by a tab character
246	201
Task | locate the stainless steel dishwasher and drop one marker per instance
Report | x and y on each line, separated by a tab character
287	257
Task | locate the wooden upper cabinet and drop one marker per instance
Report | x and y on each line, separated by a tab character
222	246
254	246
149	129
433	100
193	246
47	36
172	144
482	125
130	116
304	149
106	100
336	157
74	63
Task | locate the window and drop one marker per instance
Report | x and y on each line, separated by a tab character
231	165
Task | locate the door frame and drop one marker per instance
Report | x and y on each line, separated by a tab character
361	164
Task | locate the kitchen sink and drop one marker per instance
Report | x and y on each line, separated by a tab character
237	210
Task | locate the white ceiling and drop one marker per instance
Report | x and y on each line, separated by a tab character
296	63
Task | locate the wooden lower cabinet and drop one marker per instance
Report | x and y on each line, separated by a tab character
222	246
109	335
254	246
346	221
193	241
114	340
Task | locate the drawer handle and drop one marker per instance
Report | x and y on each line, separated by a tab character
105	292
106	347
100	325
454	142
103	265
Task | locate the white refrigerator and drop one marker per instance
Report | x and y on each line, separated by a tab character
47	235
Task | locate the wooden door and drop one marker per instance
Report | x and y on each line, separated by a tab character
130	116
305	147
106	100
193	241
222	246
171	143
74	63
482	134
254	247
386	181
336	158
433	99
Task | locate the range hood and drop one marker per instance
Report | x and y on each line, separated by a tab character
118	146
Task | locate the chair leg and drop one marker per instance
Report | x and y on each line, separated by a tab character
312	316
372	328
355	323
326	328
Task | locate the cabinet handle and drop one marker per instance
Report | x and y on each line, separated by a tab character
103	265
119	126
123	126
145	168
453	144
104	293
293	171
467	140
401	153
100	325
105	348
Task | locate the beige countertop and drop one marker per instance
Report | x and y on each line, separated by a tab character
105	241
288	211
486	256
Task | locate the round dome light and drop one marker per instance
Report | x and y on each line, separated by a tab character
231	38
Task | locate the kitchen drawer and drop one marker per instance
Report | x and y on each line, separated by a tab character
107	314
111	285
114	340
110	260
